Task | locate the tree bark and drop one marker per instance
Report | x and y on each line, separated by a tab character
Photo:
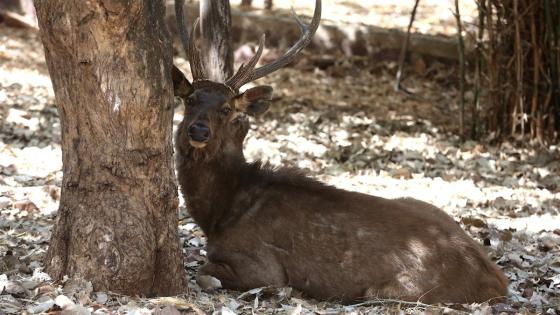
109	62
215	19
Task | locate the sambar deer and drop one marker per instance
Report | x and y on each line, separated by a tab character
268	226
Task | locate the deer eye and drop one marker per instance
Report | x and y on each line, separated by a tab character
226	110
189	101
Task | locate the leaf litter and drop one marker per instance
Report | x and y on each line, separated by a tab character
351	131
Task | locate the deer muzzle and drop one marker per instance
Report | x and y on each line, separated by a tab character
199	134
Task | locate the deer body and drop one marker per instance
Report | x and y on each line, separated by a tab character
277	227
267	227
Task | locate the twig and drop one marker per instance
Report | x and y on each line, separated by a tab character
392	301
404	48
403	303
461	42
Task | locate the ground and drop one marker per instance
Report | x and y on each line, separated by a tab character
344	125
432	17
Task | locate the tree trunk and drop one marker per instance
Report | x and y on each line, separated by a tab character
268	4
109	62
246	3
215	18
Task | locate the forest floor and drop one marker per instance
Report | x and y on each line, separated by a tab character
434	17
345	126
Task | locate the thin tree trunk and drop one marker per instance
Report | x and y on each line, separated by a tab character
554	53
246	3
481	4
268	4
535	114
461	48
215	16
404	48
519	111
117	225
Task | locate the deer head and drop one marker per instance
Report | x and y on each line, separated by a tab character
215	110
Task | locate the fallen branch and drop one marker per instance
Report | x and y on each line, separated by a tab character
13	19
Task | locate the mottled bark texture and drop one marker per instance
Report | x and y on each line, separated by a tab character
215	20
109	62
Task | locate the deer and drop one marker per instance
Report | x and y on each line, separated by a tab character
275	226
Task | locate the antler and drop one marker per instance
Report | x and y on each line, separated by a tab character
248	73
192	52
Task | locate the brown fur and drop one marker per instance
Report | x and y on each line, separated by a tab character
277	227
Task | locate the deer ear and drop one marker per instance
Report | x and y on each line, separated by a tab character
254	101
181	86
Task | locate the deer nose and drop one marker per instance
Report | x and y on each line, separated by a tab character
199	132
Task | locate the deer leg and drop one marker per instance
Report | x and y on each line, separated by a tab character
221	272
245	276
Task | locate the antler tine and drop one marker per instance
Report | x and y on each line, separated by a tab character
189	46
302	26
197	68
246	70
307	32
289	56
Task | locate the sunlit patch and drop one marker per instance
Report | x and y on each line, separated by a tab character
117	104
418	249
26	78
16	116
406	279
531	224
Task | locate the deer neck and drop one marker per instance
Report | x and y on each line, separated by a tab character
209	186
